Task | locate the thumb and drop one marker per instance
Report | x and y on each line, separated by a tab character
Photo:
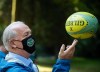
62	49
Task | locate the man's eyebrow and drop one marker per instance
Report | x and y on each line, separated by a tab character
27	32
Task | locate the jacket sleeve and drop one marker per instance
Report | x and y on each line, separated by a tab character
61	65
16	70
15	67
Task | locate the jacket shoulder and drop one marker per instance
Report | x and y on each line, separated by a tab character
13	67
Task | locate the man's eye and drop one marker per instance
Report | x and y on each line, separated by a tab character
26	34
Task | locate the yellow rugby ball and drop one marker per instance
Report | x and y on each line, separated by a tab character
81	25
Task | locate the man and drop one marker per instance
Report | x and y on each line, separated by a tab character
20	44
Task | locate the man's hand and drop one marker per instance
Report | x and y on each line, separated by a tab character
68	52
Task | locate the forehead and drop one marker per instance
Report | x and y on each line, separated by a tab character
21	29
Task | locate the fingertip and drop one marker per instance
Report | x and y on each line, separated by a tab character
63	45
76	40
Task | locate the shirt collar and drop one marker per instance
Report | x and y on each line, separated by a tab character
12	57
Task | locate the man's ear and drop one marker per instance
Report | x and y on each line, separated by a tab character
12	43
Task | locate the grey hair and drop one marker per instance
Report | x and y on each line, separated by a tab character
10	33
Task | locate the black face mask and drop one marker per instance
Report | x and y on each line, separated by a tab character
29	44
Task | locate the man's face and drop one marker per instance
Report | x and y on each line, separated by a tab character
23	31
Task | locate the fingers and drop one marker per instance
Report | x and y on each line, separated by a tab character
73	50
62	49
74	42
71	47
68	53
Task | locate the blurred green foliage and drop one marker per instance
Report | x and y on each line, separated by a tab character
47	20
77	64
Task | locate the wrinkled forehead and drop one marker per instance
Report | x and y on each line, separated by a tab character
21	29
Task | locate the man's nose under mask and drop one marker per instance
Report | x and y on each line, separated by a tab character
28	44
